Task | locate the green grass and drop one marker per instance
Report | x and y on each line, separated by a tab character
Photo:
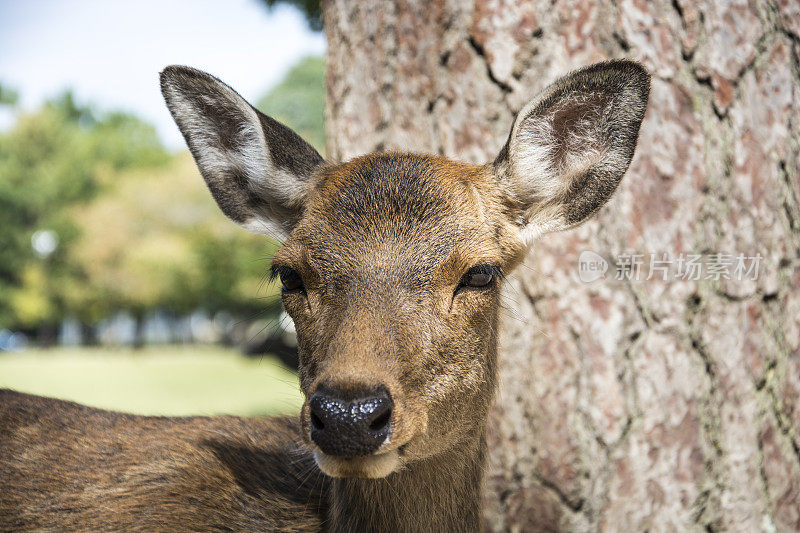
168	380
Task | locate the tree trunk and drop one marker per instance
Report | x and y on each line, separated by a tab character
138	330
47	334
625	404
89	334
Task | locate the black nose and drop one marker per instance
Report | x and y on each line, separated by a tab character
350	428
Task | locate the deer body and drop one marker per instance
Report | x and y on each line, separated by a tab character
391	269
68	467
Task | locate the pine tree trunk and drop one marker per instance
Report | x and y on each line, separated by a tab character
625	405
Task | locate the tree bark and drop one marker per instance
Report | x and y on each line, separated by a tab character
625	405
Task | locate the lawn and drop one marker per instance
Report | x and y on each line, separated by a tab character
164	380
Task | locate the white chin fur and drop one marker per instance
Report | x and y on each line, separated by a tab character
371	466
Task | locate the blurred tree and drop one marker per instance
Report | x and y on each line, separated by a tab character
50	161
132	233
8	96
310	8
299	101
155	239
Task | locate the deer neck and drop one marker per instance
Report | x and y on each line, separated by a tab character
441	493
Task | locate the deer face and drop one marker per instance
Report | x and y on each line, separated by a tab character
392	276
392	264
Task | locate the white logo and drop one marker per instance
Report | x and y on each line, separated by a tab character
591	266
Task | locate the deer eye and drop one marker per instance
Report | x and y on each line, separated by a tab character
479	277
290	279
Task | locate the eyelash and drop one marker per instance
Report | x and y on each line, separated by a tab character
287	275
493	271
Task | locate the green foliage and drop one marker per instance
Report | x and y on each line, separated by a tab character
50	161
312	9
137	228
8	96
155	239
299	101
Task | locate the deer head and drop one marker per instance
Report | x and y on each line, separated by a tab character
392	263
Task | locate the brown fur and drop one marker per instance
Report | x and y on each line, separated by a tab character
388	315
382	245
65	467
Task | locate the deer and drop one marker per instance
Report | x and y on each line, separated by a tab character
391	267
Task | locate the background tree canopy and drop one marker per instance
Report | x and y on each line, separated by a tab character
299	101
8	96
312	9
50	162
132	226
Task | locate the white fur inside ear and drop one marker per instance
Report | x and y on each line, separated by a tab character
246	155
571	145
549	149
265	226
543	222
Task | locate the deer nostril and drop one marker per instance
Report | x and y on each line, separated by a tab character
382	420
316	421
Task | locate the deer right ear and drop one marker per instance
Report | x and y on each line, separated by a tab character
571	145
256	168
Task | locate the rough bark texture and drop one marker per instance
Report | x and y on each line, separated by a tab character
624	405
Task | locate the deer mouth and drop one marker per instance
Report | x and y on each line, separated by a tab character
374	466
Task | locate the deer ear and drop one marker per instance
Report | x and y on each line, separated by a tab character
256	168
570	146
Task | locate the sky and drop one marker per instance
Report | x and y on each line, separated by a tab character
111	51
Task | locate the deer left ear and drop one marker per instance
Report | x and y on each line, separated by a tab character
571	145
